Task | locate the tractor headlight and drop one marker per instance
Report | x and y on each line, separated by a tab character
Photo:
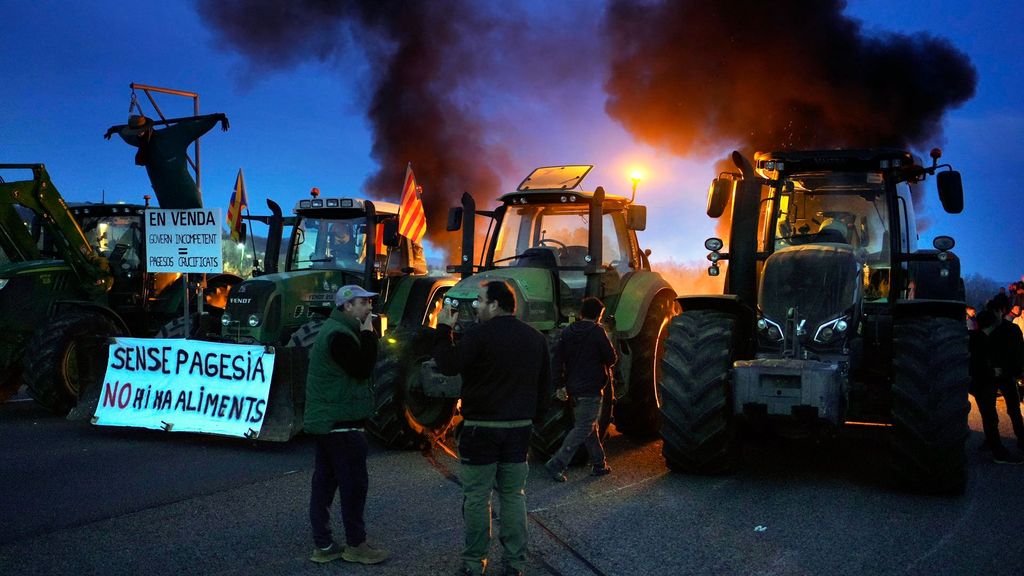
831	330
254	320
769	329
225	319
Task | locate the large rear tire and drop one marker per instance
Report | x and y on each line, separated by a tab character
636	414
929	404
306	335
52	361
697	424
388	423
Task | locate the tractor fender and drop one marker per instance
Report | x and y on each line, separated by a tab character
745	342
935	308
410	296
634	300
63	306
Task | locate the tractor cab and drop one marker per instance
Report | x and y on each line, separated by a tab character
559	243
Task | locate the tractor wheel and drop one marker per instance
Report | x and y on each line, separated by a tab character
388	423
697	427
10	381
305	336
426	416
548	435
929	404
636	414
51	359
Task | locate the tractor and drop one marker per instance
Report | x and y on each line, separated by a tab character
72	276
555	244
831	318
334	241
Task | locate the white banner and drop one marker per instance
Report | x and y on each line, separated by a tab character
186	386
183	241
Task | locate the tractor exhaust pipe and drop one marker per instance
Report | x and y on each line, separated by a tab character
595	244
468	235
741	279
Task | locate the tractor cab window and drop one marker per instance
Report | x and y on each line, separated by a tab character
117	238
329	243
848	209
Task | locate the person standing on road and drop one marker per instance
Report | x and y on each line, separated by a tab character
338	401
505	382
995	350
582	362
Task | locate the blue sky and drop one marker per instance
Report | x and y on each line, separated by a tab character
67	66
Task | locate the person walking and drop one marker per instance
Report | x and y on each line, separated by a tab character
995	352
581	366
505	373
338	401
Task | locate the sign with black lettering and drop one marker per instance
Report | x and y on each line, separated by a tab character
186	386
183	240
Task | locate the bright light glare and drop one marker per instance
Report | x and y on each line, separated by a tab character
636	175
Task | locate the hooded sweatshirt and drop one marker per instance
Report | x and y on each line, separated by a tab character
582	358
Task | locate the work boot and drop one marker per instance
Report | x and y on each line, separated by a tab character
364	554
329	554
556	474
601	470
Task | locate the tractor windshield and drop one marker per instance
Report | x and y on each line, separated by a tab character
334	243
839	208
556	236
114	232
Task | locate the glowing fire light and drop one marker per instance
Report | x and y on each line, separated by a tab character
636	175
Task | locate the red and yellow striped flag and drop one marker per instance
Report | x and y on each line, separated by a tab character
239	202
412	222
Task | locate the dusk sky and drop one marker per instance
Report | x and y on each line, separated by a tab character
299	117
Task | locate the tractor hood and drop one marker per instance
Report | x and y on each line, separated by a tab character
820	281
534	289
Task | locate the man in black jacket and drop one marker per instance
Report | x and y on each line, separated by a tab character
996	357
505	380
581	364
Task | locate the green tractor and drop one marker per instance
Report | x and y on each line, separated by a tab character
832	317
72	276
334	241
555	244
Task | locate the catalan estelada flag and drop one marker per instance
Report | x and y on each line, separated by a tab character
412	222
239	202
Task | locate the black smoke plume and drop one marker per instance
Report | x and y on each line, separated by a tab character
421	55
696	75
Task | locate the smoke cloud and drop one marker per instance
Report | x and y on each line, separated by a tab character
422	57
692	76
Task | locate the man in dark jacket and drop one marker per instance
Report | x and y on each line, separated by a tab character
338	401
996	354
505	380
582	361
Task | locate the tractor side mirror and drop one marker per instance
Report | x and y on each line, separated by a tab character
722	188
636	217
454	218
391	238
951	191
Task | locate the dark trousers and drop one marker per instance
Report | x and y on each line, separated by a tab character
985	395
341	468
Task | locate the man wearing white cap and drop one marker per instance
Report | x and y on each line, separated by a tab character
338	401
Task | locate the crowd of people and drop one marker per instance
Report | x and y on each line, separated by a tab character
996	366
502	396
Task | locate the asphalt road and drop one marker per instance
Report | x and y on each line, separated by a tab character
79	499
